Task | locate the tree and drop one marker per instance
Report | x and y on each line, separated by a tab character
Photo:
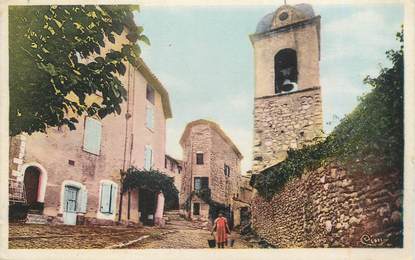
48	67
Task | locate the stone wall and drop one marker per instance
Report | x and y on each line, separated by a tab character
285	121
332	208
223	188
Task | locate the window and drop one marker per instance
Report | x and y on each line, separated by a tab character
199	158
150	117
226	170
107	201
196	208
201	183
92	136
150	94
148	157
71	199
285	69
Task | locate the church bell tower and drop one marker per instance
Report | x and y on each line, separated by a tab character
288	110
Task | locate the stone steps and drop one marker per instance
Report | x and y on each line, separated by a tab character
172	215
36	219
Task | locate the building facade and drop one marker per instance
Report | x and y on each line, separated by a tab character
74	176
288	110
173	168
211	164
241	203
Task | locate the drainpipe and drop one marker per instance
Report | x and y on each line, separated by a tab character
127	116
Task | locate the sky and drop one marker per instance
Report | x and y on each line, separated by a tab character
204	58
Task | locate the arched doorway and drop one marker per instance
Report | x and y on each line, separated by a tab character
31	183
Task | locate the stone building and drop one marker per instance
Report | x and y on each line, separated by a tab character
241	203
74	176
173	168
211	163
288	110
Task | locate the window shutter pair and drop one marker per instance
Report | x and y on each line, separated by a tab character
148	157
108	195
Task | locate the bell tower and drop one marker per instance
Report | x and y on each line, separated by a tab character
288	110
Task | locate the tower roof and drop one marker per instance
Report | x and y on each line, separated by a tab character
213	126
284	15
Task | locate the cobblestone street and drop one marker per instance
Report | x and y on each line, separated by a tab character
178	233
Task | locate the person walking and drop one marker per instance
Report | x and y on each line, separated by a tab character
222	230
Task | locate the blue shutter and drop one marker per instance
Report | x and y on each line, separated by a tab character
148	157
92	136
150	117
82	202
105	197
113	196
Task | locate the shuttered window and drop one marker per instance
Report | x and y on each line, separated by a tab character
92	136
148	157
201	183
150	117
75	199
108	193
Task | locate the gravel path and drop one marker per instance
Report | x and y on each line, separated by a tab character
185	237
178	233
30	236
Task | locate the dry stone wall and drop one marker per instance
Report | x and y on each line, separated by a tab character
285	121
332	208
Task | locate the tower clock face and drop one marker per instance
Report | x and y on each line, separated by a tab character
283	16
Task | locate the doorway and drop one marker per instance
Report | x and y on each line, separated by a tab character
70	204
196	209
147	206
31	183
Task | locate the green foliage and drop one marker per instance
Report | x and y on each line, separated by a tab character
47	44
370	139
151	180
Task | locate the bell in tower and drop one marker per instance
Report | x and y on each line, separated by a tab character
288	111
286	72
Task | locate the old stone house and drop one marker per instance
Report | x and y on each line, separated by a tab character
74	176
173	168
211	163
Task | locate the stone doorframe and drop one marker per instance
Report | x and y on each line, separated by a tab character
43	179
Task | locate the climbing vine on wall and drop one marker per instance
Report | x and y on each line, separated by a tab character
151	180
369	140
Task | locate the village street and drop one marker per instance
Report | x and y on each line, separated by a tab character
178	233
